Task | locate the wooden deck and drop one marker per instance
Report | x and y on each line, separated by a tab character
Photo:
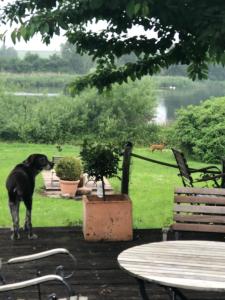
52	187
98	275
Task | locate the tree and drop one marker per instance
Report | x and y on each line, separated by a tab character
9	52
200	129
186	32
75	62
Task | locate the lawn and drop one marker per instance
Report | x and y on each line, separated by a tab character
151	188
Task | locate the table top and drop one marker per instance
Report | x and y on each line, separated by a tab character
196	265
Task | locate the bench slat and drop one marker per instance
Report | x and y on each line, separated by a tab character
199	209
199	227
199	218
199	199
200	191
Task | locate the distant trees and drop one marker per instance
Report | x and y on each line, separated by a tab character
7	52
70	61
80	64
67	61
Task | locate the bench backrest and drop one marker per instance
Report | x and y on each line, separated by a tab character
199	209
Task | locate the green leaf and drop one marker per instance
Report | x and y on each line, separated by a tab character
96	3
23	32
130	9
32	29
137	8
44	28
62	24
13	36
145	9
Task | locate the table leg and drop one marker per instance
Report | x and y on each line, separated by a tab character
175	294
142	290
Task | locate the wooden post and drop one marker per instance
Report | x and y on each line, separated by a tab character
126	168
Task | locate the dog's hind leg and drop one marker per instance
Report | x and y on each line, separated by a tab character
14	209
28	223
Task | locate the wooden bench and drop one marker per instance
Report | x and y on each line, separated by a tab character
198	209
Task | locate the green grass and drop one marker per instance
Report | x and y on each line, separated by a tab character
151	189
46	211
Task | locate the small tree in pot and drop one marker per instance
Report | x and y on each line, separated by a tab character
69	170
111	219
99	161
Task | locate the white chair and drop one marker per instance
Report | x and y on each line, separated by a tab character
59	276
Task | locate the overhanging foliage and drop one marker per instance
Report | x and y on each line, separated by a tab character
188	32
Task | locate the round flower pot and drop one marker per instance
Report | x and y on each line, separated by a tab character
69	187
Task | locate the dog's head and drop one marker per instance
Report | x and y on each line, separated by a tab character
38	162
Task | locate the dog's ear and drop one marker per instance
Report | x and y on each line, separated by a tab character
42	160
29	160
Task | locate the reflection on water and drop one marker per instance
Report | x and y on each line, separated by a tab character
169	100
34	94
161	112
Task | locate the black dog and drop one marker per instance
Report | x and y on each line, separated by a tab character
20	185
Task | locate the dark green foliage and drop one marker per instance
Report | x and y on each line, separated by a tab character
69	168
100	160
200	130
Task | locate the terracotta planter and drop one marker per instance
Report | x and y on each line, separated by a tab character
109	220
69	187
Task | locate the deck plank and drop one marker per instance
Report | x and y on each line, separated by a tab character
98	275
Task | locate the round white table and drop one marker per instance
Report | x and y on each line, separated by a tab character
195	265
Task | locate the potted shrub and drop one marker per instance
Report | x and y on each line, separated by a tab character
108	217
69	170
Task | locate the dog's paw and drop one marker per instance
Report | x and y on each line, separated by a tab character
32	236
15	236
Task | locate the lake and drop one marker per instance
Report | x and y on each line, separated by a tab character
170	98
172	93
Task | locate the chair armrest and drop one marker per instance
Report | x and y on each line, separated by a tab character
40	255
221	175
35	281
207	169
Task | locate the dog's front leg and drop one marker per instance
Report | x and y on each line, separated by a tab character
28	223
14	209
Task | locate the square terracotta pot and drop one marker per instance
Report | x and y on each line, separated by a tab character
109	220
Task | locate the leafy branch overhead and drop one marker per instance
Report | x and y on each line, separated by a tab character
186	32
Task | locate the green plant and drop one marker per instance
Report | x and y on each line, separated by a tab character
100	160
200	130
69	168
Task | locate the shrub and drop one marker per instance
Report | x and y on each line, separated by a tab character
69	168
200	129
